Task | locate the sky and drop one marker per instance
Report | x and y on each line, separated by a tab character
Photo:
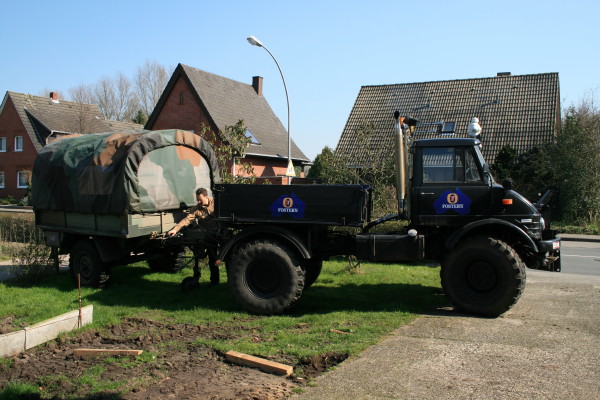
326	49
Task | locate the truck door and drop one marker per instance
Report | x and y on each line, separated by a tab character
448	186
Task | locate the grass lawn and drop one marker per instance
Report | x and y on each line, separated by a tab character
367	305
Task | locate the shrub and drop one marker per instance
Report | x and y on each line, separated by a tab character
23	243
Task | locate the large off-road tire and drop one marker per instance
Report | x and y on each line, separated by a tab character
265	277
312	270
85	261
167	260
483	276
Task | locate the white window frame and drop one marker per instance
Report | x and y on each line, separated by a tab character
18	148
2	180
19	186
2	145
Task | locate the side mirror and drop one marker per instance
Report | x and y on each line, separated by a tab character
488	179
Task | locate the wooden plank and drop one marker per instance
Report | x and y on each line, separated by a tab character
261	363
106	352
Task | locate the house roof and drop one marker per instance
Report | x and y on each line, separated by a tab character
227	101
520	110
42	117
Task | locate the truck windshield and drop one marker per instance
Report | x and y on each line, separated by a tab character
449	164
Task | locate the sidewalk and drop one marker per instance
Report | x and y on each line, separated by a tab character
579	238
546	347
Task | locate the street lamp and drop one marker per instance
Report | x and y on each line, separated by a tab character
254	41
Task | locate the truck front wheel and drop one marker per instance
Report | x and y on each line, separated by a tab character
483	276
85	261
265	277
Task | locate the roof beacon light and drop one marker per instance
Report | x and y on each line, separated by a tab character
474	129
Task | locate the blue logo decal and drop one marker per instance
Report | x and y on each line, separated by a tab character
453	201
288	205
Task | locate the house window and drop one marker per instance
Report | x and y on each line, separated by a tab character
22	179
18	143
1	179
253	139
2	144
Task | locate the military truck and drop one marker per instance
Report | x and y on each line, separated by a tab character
276	237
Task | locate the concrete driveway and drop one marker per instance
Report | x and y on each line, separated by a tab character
546	347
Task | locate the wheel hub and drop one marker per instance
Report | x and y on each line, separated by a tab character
481	276
263	278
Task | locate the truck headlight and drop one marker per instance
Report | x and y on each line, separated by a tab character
542	223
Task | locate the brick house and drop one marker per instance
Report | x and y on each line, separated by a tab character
518	110
27	123
194	98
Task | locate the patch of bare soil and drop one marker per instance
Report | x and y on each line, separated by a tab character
7	325
173	366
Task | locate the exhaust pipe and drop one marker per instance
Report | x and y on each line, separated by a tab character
400	164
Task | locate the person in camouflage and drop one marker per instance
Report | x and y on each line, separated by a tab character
203	214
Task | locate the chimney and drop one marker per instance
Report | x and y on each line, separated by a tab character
503	74
257	84
54	96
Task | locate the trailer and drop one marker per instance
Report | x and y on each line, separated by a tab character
105	198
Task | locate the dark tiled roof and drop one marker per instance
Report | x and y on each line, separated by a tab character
228	101
41	117
520	110
119	126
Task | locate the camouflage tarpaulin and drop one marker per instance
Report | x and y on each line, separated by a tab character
117	173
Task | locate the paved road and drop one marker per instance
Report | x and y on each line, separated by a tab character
580	257
546	347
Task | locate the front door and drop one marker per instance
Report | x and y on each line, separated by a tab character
449	189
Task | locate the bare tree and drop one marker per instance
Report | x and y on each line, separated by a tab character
127	103
121	98
105	97
115	98
87	118
83	94
150	81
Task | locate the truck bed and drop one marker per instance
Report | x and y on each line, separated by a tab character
121	226
336	205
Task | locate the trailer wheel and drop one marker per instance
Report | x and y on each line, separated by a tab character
265	277
483	276
312	270
85	261
167	261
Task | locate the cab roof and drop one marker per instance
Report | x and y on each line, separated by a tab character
446	142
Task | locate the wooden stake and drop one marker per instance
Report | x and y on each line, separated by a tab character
261	363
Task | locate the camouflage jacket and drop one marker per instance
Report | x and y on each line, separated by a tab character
202	213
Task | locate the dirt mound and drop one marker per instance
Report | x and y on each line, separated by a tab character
173	365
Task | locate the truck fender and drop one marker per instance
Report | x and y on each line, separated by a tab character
108	248
273	231
460	233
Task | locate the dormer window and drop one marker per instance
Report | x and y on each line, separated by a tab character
253	139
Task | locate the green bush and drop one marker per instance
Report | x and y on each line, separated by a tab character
23	243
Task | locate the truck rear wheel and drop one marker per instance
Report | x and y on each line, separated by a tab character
312	270
483	276
85	261
265	277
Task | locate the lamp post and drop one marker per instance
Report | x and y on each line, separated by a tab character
254	41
